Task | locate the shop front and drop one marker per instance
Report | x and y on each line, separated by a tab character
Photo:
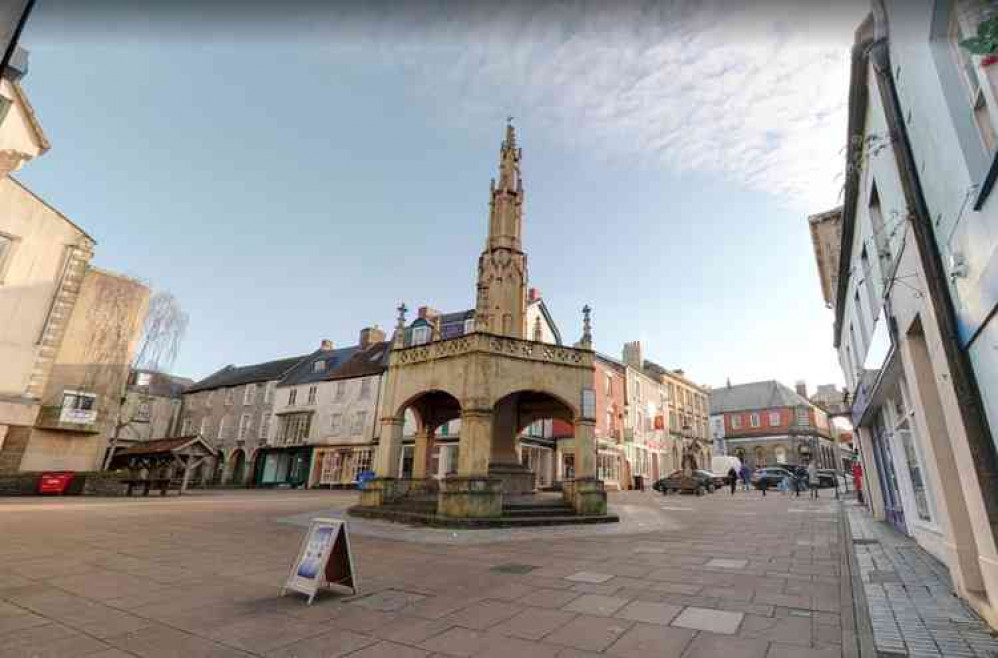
286	467
338	467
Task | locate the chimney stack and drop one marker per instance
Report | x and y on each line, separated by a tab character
371	335
533	294
632	354
325	344
428	313
801	387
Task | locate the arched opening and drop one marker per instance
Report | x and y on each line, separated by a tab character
218	468
760	457
780	452
533	443
430	436
238	460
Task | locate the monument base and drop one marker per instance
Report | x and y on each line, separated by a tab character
517	479
381	491
470	497
586	496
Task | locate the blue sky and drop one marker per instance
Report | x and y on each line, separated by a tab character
293	189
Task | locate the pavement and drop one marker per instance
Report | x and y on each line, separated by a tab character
910	598
199	576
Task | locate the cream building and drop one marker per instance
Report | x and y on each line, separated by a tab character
928	455
80	402
326	414
153	402
826	239
43	261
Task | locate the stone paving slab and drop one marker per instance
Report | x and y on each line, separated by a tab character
912	608
199	576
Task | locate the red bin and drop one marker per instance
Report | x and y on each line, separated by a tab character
54	482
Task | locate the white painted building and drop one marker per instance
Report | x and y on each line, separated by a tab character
916	283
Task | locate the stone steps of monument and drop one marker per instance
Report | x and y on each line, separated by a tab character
398	515
518	511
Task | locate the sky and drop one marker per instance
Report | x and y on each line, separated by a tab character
292	174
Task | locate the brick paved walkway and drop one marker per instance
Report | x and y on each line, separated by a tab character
910	596
740	576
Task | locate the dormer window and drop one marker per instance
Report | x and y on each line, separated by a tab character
420	335
319	366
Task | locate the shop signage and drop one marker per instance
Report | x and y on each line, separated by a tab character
324	560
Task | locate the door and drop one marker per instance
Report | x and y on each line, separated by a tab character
893	509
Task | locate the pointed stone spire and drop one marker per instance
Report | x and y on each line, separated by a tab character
398	340
587	329
501	302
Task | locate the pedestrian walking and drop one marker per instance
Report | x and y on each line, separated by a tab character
812	478
784	485
733	479
763	484
746	476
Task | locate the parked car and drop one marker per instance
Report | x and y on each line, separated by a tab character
772	476
718	479
828	478
673	481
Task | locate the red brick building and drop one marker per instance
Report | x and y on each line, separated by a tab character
767	423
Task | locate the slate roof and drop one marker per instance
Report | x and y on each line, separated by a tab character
159	446
342	363
239	375
755	395
161	384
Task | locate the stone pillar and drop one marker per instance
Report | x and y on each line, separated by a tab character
587	495
504	463
386	463
472	494
385	488
476	442
421	453
585	449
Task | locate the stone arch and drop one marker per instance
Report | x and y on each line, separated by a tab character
217	473
432	408
759	455
511	415
237	466
780	453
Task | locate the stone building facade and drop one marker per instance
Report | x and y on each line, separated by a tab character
826	239
232	410
767	424
153	401
326	415
915	322
82	396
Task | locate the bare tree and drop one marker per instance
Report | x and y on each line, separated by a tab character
162	334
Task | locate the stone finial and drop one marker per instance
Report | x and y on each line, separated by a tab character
587	328
538	331
437	329
399	339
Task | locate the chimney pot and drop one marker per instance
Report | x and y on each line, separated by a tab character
533	294
325	344
371	335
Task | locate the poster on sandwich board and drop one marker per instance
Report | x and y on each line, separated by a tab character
324	560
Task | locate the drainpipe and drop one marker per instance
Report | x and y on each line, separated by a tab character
971	406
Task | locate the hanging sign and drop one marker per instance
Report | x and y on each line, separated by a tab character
324	559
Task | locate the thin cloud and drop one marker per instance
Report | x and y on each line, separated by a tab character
755	94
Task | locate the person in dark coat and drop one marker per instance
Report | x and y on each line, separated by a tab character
732	479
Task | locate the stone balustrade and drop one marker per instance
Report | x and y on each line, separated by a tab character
492	344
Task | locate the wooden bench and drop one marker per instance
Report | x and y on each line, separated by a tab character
162	484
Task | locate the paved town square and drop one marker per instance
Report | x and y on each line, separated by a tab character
714	575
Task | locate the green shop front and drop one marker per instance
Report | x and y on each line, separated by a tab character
286	467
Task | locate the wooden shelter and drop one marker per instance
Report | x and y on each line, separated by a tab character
185	453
